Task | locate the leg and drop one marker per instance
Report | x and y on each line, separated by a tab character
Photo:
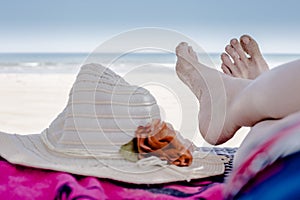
260	133
272	95
231	103
240	65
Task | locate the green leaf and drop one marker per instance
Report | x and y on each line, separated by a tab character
129	151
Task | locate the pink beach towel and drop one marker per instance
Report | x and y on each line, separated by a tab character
19	182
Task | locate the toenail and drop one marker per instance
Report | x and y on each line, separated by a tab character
246	40
228	47
183	43
233	41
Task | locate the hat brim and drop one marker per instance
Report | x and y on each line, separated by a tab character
29	150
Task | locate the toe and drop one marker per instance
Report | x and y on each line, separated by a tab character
192	53
232	53
181	45
181	49
226	60
228	64
235	69
250	46
238	48
190	49
226	70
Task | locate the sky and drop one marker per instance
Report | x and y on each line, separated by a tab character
80	26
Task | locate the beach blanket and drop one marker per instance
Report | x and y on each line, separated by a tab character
20	182
261	151
277	181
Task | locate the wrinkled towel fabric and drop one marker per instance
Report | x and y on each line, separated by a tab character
273	145
277	181
19	182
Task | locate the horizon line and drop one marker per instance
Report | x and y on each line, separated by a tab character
115	52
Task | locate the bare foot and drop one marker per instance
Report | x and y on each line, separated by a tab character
215	92
241	65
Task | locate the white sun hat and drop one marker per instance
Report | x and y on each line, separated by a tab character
101	115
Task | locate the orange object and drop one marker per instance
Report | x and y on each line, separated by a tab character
159	139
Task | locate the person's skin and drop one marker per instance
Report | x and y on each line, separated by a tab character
272	95
260	133
243	59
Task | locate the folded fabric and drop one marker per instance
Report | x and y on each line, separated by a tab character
261	149
277	181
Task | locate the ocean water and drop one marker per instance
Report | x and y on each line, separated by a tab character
44	63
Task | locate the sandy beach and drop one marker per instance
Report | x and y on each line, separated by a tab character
29	102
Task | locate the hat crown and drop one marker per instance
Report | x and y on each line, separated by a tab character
102	113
